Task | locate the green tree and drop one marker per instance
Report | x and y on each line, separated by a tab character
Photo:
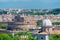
3	26
7	37
39	23
55	37
56	23
30	37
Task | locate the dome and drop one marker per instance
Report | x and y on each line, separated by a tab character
46	22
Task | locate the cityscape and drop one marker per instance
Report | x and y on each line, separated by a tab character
29	19
29	24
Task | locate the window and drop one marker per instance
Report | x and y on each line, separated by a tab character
41	37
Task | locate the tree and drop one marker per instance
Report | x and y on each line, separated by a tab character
30	37
3	26
7	37
56	23
39	23
55	37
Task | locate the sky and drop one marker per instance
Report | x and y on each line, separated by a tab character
30	4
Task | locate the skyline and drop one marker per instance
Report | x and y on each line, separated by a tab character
30	4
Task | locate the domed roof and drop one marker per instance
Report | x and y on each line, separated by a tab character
47	22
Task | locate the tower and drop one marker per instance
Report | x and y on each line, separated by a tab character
47	27
46	24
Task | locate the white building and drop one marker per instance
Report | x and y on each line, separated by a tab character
46	22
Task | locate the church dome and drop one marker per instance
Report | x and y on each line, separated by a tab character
46	22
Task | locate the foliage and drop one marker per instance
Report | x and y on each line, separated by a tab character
56	23
55	37
39	23
30	37
3	26
7	37
10	36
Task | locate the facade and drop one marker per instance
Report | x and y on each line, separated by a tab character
41	36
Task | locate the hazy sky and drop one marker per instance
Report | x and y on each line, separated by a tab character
30	4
